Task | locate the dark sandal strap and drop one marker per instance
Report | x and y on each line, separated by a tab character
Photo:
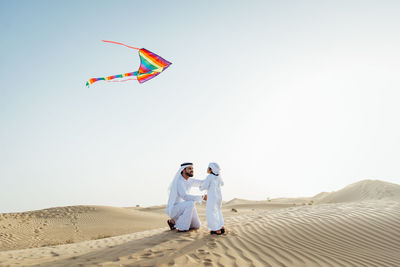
171	225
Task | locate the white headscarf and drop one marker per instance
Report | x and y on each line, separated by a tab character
216	170
173	189
214	167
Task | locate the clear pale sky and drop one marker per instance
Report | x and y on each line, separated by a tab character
291	98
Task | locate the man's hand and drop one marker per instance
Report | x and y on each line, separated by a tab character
205	197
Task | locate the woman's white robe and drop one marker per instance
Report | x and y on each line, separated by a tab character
213	184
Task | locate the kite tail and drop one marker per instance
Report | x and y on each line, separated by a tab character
109	78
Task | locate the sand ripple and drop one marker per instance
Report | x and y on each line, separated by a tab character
342	234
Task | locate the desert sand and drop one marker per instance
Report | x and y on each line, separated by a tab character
355	226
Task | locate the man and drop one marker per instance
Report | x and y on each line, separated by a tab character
181	205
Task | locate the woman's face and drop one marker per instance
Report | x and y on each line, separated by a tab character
208	170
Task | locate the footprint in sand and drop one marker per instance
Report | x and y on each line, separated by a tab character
132	257
203	252
207	262
212	244
146	255
158	253
185	239
55	254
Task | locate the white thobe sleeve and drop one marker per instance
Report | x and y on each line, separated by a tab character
183	194
196	182
205	185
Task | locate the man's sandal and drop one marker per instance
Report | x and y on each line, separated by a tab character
171	225
216	232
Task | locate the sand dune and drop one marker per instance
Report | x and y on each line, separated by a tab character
65	225
345	234
362	191
362	232
72	224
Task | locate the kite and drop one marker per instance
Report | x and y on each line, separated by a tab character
151	65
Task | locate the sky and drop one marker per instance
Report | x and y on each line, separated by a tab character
291	98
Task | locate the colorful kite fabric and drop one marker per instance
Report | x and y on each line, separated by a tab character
151	65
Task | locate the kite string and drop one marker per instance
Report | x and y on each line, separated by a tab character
120	44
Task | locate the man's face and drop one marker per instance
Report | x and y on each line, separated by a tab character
189	171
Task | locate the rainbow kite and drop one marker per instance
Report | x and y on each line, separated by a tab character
150	66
